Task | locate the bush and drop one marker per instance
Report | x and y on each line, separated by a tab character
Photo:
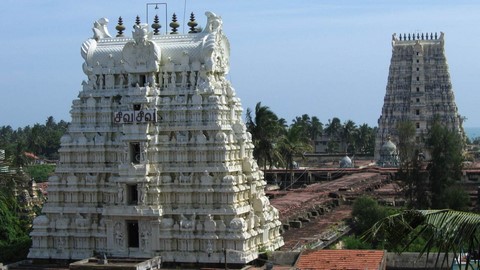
352	242
40	172
365	213
16	250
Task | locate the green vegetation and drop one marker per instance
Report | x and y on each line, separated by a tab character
14	230
40	172
366	213
445	168
278	144
431	184
446	231
41	140
16	215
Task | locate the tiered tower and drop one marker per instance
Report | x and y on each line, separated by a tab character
418	89
157	160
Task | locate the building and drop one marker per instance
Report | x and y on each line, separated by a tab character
327	259
418	89
156	160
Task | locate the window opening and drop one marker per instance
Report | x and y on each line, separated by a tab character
132	194
132	233
135	152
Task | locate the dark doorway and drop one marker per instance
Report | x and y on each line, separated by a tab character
132	231
135	152
132	196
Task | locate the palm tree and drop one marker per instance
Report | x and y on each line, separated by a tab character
365	139
265	128
333	127
348	132
316	128
293	144
333	130
446	230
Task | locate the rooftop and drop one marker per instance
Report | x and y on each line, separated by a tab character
342	259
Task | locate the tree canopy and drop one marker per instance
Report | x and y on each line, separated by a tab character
42	140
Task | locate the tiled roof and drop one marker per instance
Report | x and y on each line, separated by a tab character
341	259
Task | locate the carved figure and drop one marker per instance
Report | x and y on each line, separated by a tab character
187	224
141	55
214	22
184	79
143	193
118	234
100	29
192	79
206	179
120	193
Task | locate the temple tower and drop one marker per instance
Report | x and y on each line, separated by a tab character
418	89
156	160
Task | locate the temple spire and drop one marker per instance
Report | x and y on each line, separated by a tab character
137	20
120	27
155	25
174	24
192	24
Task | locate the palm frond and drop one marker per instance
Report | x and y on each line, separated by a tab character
447	231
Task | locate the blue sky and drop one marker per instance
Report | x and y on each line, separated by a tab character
323	58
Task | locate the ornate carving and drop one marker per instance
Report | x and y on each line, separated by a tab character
141	55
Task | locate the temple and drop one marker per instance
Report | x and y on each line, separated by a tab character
156	160
418	90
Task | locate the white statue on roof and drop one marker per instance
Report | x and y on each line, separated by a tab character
100	29
141	55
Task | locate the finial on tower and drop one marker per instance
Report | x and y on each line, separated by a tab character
156	25
174	24
192	24
137	20
120	27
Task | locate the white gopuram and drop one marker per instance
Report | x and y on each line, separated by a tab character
156	160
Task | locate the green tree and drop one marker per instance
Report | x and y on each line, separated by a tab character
406	142
365	139
265	128
349	130
365	212
14	239
412	175
310	127
445	168
291	145
316	128
446	231
333	127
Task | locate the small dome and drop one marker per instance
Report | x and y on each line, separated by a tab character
389	147
346	162
66	138
41	221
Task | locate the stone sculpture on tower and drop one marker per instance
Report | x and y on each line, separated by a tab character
156	160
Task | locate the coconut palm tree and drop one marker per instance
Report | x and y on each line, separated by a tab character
293	144
447	231
265	128
348	131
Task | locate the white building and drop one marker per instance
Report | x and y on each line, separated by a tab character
157	160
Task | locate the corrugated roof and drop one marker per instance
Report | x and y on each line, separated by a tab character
341	259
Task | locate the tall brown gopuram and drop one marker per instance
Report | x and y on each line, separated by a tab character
418	90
